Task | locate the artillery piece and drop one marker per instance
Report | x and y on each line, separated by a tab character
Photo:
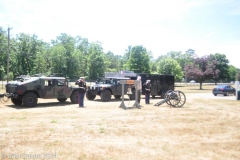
173	98
4	98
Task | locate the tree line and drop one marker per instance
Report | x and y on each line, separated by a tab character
76	56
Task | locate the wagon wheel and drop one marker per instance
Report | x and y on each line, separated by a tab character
177	99
167	95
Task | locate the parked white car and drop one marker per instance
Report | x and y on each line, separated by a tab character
192	81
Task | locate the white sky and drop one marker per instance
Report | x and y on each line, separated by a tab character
161	26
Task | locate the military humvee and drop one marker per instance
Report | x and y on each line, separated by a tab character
28	92
106	87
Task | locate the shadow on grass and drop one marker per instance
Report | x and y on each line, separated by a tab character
125	99
42	105
195	89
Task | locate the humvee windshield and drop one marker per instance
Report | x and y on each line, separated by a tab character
106	81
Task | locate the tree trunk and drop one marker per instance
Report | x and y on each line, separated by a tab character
200	85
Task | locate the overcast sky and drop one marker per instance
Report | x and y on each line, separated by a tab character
161	26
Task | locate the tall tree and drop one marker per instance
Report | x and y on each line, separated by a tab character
203	68
27	47
112	62
68	42
222	66
170	66
139	60
95	62
83	45
3	53
58	60
238	76
233	72
182	58
78	63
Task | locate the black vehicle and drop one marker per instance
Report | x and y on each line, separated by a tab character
160	84
223	89
106	87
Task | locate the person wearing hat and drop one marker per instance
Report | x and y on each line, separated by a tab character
147	87
81	91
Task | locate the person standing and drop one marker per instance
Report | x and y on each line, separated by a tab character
81	91
139	89
147	87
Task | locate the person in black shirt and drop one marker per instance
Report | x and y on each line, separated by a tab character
147	87
81	91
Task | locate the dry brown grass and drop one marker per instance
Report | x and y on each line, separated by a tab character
205	128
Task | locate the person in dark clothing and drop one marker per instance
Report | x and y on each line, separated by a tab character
147	88
81	91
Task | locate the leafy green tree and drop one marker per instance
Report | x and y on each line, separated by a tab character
68	42
139	60
203	68
222	66
153	67
238	76
83	45
182	59
3	53
43	60
26	50
127	53
78	63
58	60
170	66
111	62
95	62
233	73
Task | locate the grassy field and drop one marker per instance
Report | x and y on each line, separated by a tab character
203	129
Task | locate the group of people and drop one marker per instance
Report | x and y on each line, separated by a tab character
82	90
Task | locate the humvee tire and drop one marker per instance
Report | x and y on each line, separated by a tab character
90	96
117	96
16	101
30	99
106	95
74	97
62	99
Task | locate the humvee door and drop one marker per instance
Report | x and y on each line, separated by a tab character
53	88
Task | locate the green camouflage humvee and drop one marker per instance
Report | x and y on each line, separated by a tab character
28	92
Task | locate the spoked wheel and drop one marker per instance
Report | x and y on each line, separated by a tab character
177	99
4	98
167	95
